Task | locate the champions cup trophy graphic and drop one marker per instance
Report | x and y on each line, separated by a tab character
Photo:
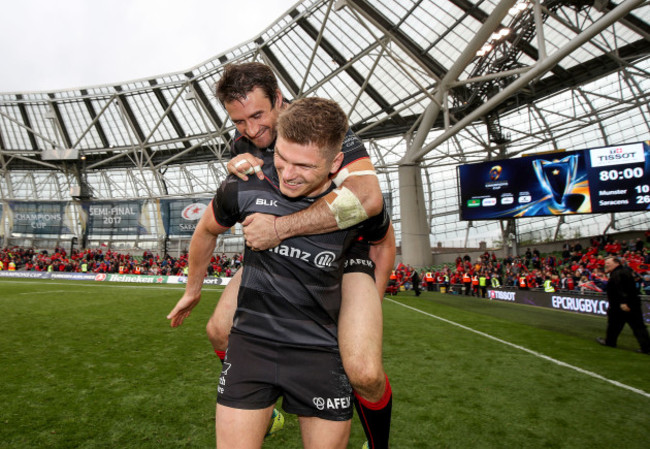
557	178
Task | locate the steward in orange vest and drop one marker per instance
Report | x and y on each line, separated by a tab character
523	284
467	282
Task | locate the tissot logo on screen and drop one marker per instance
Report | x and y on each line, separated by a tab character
623	154
193	211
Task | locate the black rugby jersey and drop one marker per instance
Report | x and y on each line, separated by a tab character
352	148
290	293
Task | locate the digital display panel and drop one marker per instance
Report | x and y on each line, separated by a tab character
595	180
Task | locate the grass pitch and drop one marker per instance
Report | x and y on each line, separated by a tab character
88	365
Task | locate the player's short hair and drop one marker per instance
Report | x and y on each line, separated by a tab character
615	259
240	79
317	121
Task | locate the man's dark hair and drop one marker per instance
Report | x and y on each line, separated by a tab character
240	79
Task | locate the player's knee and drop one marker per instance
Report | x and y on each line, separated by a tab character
366	378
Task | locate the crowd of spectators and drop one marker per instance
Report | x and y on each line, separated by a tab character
575	269
107	261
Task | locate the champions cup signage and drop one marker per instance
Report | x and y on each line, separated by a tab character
40	218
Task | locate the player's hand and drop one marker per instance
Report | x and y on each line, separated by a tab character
625	308
245	164
260	232
183	309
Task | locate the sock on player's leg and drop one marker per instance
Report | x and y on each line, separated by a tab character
375	418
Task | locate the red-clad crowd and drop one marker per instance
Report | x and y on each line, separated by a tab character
576	269
107	261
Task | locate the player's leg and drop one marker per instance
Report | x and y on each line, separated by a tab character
241	429
246	393
219	324
320	433
361	334
315	388
360	343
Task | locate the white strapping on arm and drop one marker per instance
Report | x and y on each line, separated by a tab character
347	208
345	173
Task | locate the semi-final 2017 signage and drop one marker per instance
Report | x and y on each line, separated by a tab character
114	217
595	180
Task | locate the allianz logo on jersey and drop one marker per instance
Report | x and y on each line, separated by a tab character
323	259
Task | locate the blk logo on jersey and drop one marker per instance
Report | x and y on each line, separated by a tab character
265	202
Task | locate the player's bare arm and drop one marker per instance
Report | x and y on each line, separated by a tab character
357	198
201	247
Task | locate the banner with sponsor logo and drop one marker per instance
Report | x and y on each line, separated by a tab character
25	274
107	218
109	277
38	218
72	276
180	216
567	301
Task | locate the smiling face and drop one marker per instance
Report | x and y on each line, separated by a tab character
303	170
255	117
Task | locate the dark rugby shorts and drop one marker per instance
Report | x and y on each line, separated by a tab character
311	380
357	259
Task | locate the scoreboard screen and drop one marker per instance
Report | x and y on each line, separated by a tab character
594	180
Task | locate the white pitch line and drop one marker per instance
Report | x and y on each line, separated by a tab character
50	291
530	351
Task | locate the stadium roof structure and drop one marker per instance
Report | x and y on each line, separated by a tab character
426	83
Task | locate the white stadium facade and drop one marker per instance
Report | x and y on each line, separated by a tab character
429	85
